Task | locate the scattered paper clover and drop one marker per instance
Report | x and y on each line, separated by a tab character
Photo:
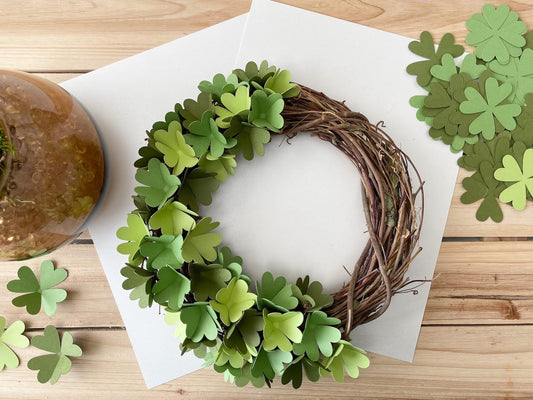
471	105
13	335
523	178
39	292
52	366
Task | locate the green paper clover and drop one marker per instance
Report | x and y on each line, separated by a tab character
12	336
266	110
294	372
173	218
193	110
319	334
275	294
231	301
310	296
250	139
254	73
133	234
200	243
141	281
491	106
346	357
171	288
247	377
471	67
52	366
445	69
201	322
38	293
207	280
426	48
246	331
159	183
418	102
177	154
523	178
205	135
268	364
198	187
497	33
234	104
491	151
227	355
280	83
440	105
162	251
281	330
221	166
219	86
518	72
232	263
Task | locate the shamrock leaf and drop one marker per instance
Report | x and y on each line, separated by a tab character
52	366
268	364
511	172
492	106
147	153
231	263
234	104
171	288
245	332
200	243
471	67
275	294
162	251
318	335
159	183
266	110
174	318
201	322
445	69
280	83
12	336
477	189
207	280
177	153
197	187
426	48
193	110
346	357
254	73
250	139
310	295
228	355
231	301
293	372
205	135
281	330
497	33
518	72
440	105
219	85
221	166
491	151
247	377
173	218
141	281
132	234
39	292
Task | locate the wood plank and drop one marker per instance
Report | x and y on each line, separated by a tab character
450	362
59	77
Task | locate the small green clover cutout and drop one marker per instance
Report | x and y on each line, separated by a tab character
12	336
133	235
52	366
159	183
177	153
346	357
201	322
38	293
518	72
318	336
266	110
281	330
231	301
205	135
173	218
201	242
523	178
497	33
162	251
171	288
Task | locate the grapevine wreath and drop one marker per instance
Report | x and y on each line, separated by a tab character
176	259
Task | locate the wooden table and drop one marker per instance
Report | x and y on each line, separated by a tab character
477	335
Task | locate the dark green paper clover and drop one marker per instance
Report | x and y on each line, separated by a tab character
275	294
141	281
171	288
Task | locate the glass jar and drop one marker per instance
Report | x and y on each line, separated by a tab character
51	166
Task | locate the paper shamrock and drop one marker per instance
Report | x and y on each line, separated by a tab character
200	321
234	104
207	280
522	178
171	288
266	110
319	334
193	110
518	72
294	371
161	251
232	301
205	135
133	234
270	363
141	281
281	330
346	357
173	218
198	188
200	243
52	366
310	295
177	153
13	335
275	294
221	166
250	139
39	292
159	183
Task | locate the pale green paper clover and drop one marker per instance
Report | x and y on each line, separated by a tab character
231	301
177	153
12	336
132	235
497	33
491	107
516	193
281	330
346	357
518	72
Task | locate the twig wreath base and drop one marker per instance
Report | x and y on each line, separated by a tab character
175	259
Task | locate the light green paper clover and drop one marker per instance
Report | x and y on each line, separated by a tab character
219	86
173	218
159	183
205	135
200	242
12	336
275	294
231	301
221	166
511	172
281	83
233	104
268	364
177	154
491	107
228	355
471	67
346	357
52	366
141	281
518	72
446	69
162	251
38	293
250	139
497	33
201	322
133	233
281	330
171	288
266	110
318	336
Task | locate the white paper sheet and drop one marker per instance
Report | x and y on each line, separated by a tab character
124	99
365	67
